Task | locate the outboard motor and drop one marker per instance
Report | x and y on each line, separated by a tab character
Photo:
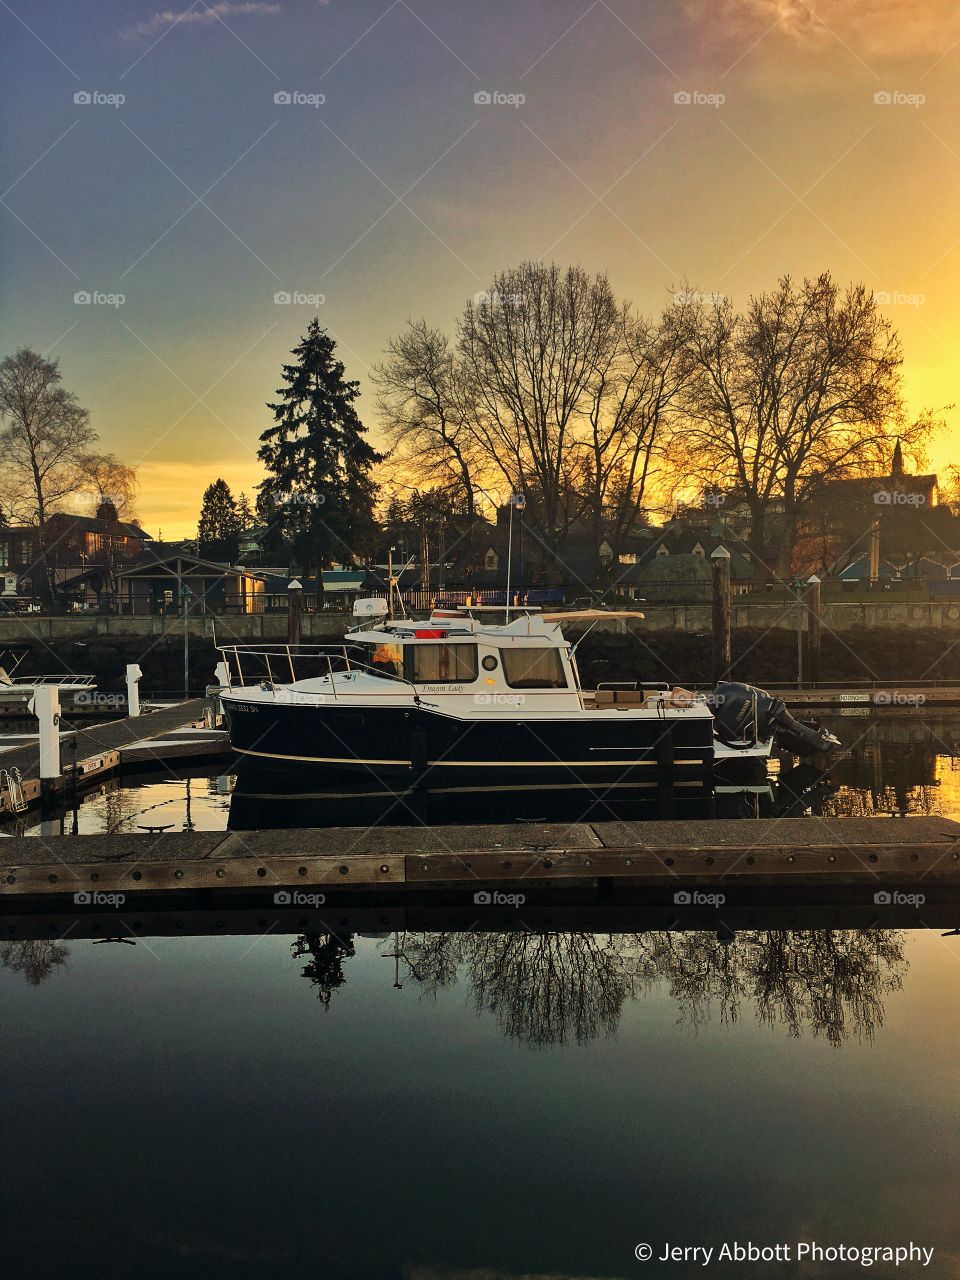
744	715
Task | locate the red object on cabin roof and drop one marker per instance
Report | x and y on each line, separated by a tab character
429	635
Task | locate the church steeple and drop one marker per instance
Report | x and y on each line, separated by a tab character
896	467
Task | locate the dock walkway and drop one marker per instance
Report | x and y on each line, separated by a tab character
878	854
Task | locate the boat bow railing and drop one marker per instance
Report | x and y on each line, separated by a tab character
278	664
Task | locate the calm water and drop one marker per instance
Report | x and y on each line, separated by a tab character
522	1105
456	1101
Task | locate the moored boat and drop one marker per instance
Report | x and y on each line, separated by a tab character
460	700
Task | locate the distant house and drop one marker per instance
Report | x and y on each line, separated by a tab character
924	567
18	550
103	539
250	546
162	577
860	570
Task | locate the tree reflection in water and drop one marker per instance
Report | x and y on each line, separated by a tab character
35	958
558	988
325	966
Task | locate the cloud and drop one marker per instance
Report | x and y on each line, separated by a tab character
199	15
871	28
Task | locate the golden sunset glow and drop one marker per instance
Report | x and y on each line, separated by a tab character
714	146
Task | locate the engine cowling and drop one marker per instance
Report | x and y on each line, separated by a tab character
744	715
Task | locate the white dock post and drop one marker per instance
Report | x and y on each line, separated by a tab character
221	677
45	705
133	689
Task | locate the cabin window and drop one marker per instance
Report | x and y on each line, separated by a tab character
533	668
442	663
387	659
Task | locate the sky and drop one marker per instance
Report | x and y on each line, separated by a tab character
185	167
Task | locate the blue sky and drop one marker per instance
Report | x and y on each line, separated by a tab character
199	197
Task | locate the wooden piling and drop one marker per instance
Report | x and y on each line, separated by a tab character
813	627
722	653
294	611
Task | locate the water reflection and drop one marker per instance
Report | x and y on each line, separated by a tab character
896	764
548	989
554	987
35	958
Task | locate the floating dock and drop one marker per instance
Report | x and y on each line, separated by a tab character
884	855
180	731
891	697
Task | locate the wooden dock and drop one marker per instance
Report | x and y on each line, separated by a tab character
176	732
889	698
875	854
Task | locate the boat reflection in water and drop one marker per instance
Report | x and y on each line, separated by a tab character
263	801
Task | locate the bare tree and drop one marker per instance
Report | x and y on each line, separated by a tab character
632	403
531	349
799	390
421	401
104	478
46	433
551	387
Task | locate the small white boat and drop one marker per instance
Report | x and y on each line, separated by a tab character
16	691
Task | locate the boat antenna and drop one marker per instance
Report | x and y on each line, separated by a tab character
576	645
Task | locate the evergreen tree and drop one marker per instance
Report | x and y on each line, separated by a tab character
244	512
318	462
219	524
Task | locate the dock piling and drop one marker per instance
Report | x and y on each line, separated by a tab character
722	653
133	689
813	627
45	705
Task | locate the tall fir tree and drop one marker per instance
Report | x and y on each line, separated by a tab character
318	463
244	511
219	524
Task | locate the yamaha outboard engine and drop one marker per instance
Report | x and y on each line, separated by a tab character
744	715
